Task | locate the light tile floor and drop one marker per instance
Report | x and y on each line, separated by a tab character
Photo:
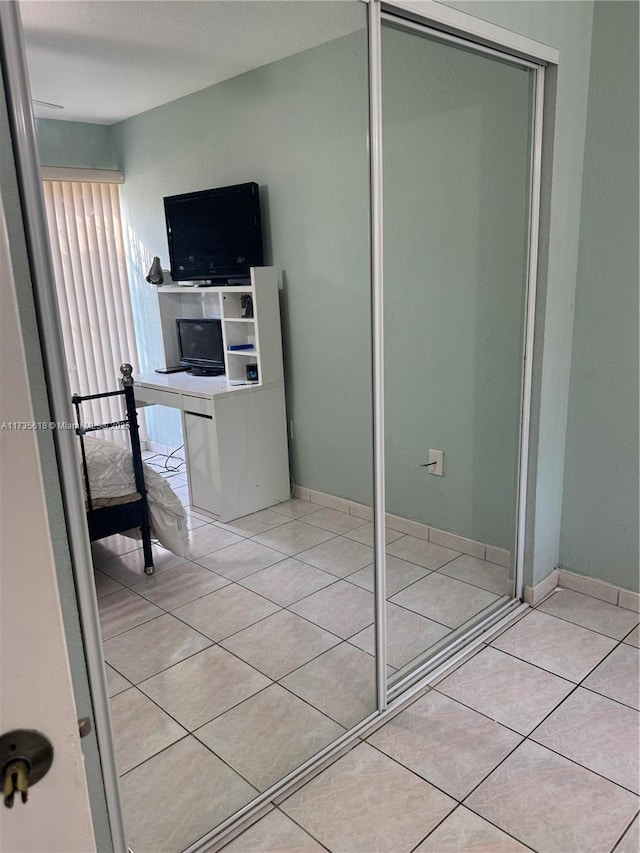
502	755
237	665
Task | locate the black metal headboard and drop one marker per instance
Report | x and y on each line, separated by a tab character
131	420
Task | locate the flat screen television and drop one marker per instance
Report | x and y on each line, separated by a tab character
200	345
214	235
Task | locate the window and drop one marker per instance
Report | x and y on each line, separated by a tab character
85	232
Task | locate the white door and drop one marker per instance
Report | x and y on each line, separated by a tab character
36	690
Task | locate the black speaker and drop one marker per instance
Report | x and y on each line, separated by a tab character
252	373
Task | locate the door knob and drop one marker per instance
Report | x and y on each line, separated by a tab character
25	757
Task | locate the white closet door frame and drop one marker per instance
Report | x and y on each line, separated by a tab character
473	30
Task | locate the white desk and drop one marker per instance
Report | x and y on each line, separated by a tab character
235	439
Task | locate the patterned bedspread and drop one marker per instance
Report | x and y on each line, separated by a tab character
111	476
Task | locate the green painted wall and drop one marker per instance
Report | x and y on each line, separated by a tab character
566	26
74	143
302	133
456	156
305	142
299	128
600	508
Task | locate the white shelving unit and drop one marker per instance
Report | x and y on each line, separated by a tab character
262	331
235	434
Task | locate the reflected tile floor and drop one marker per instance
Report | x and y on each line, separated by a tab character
170	659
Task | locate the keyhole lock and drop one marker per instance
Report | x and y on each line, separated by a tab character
25	757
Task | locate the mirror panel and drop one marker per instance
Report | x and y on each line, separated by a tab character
264	655
456	159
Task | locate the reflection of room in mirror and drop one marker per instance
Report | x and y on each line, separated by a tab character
227	660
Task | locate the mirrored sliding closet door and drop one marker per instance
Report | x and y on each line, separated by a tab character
234	665
456	154
288	666
394	172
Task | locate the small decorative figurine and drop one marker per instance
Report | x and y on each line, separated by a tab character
246	302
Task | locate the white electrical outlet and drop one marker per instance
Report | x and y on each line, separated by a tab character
436	456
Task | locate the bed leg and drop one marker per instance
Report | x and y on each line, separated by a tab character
149	568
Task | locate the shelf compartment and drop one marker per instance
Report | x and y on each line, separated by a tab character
232	304
236	334
210	288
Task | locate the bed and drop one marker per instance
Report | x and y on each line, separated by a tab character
122	494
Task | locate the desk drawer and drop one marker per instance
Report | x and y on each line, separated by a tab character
197	405
153	395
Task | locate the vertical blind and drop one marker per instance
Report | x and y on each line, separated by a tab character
85	233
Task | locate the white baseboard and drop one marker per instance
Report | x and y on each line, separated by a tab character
534	594
163	449
594	587
500	556
589	586
629	600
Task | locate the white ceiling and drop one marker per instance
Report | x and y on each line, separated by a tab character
106	60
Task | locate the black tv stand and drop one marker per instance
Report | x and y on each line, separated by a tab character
206	371
229	282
